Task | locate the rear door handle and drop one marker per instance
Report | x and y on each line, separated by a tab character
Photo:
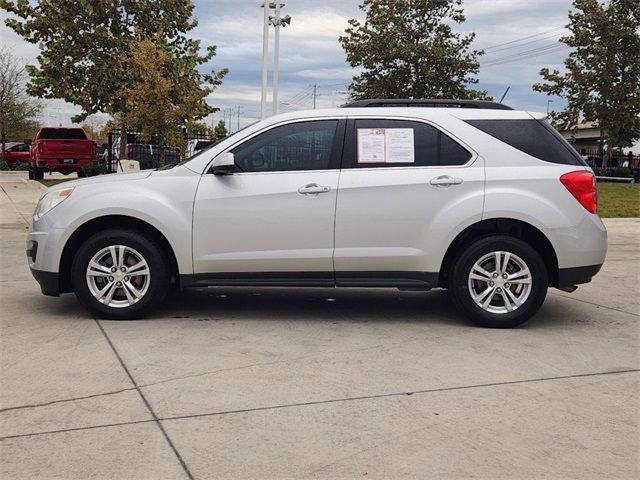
445	181
313	189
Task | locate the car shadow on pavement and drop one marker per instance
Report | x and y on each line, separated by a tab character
312	304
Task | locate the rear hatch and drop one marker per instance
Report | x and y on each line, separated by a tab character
65	143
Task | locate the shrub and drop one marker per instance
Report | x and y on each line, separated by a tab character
94	168
4	165
623	172
20	167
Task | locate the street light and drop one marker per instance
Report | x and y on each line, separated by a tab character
277	22
549	102
265	59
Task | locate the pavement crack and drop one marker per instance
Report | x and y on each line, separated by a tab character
26	222
400	394
157	419
164	433
65	400
275	362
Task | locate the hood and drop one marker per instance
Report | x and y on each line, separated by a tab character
109	178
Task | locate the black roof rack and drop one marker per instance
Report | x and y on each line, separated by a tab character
427	103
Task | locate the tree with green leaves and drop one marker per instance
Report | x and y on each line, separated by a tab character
86	48
601	79
18	111
167	96
408	49
220	131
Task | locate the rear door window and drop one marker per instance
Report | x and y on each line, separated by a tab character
379	143
533	137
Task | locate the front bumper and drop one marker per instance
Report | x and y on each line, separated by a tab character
49	282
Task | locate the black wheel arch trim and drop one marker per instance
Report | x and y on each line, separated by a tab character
576	275
49	282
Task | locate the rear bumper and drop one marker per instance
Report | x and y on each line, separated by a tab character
58	163
576	275
49	282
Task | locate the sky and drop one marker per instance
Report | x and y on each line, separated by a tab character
519	36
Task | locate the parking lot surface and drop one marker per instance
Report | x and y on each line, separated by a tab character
280	383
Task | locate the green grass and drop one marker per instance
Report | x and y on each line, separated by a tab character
618	200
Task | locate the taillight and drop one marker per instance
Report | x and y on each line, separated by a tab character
582	185
130	152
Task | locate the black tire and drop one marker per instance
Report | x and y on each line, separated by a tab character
31	172
459	283
38	173
158	280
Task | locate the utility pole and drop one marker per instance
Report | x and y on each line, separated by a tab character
238	118
315	95
265	60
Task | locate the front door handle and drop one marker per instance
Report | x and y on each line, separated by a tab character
445	181
313	189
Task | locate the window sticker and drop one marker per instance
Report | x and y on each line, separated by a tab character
386	145
371	145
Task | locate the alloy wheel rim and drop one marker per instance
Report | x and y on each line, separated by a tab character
118	276
500	282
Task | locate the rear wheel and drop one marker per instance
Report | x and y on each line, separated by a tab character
38	174
499	281
120	274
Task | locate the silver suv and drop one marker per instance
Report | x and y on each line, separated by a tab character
488	202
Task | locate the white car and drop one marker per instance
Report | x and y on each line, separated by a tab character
486	201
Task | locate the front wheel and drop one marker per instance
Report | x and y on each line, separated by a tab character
120	274
499	281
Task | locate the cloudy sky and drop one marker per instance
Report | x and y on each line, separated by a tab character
520	36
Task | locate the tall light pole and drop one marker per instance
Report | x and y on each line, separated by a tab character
549	102
277	22
265	59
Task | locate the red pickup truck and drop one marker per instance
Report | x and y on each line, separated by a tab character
61	149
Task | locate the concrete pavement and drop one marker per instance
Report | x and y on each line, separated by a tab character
317	383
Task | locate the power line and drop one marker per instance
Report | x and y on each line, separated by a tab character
542	39
536	52
523	38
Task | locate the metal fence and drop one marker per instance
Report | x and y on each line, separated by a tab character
149	153
618	160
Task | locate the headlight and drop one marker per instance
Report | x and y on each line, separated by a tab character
50	200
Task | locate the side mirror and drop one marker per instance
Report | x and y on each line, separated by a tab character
224	164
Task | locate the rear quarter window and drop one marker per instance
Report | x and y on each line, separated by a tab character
533	137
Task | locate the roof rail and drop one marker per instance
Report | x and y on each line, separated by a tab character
427	103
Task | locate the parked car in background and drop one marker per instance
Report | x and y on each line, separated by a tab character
15	152
61	149
488	202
